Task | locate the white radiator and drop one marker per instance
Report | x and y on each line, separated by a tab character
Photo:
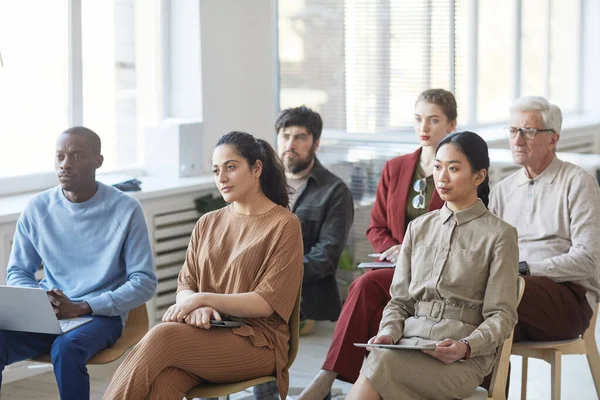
171	235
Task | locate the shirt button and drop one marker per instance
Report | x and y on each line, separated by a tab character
437	273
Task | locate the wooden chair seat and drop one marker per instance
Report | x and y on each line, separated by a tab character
135	328
212	390
573	346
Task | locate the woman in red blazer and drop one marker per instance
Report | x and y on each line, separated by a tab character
405	191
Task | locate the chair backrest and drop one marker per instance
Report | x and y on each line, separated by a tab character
497	388
591	330
136	325
294	325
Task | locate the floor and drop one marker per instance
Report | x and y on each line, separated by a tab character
577	381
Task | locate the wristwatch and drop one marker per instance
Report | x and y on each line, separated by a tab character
524	268
468	353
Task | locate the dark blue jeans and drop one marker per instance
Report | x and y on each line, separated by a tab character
70	352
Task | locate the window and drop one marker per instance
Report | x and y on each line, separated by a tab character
68	63
362	63
564	53
496	72
34	85
109	77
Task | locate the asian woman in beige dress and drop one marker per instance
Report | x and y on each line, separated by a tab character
455	285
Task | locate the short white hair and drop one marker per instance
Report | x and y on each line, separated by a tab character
550	112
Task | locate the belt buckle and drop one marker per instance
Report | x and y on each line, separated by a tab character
436	312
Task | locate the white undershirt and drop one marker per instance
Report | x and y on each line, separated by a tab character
298	185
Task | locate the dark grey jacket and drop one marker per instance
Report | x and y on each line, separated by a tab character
326	211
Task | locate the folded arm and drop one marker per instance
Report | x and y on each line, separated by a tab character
243	305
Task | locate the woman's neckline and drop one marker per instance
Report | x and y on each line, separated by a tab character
239	214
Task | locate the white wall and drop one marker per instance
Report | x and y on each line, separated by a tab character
238	65
183	94
219	73
591	57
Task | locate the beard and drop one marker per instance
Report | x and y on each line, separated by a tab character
297	164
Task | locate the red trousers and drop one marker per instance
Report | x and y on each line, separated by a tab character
358	322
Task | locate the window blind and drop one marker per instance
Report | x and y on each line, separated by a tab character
362	63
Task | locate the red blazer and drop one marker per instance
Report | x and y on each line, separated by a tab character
388	214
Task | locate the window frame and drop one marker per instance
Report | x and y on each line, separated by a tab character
75	43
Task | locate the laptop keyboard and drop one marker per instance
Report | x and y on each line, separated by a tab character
67	325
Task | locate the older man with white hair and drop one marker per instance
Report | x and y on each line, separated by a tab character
555	207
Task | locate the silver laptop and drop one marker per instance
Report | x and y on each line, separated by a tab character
29	310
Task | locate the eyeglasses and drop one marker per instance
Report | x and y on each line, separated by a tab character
418	202
526	133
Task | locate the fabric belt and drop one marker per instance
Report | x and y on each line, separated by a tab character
437	309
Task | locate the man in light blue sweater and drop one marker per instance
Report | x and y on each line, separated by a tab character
93	242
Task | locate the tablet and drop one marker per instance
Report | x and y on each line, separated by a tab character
225	324
428	346
381	264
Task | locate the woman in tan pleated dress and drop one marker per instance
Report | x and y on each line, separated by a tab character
455	285
244	261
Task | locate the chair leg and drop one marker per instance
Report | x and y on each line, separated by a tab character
523	379
594	361
555	366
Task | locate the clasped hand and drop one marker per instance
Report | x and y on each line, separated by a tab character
447	351
191	311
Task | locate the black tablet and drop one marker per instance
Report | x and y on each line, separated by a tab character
225	324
